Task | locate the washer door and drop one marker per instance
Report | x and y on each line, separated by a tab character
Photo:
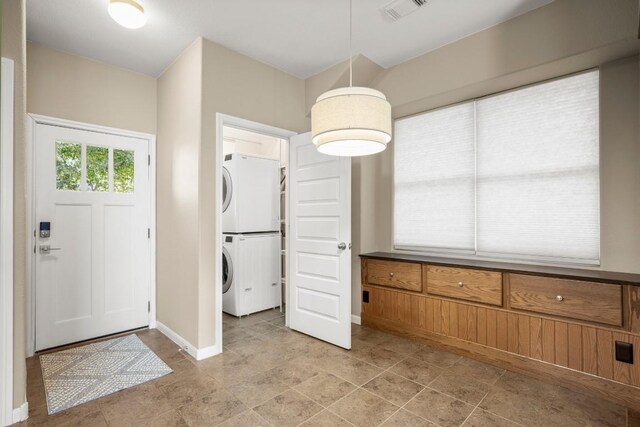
227	271
227	189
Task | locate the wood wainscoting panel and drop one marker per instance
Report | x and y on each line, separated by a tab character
570	338
437	316
463	314
502	331
548	341
561	344
580	347
605	353
482	325
472	323
444	315
512	332
492	328
535	337
574	344
453	320
589	350
429	309
524	340
623	394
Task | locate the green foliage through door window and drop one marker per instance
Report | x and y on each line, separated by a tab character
97	168
68	166
123	171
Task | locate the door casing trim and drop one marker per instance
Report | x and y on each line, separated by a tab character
33	121
6	245
221	121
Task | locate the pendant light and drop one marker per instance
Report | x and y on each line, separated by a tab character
127	13
351	121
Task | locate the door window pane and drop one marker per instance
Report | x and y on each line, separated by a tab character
68	166
123	171
97	168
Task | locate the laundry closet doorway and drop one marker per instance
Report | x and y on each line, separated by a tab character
254	223
312	222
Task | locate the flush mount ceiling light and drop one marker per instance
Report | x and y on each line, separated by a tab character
351	121
127	13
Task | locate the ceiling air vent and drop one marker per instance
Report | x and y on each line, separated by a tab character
401	8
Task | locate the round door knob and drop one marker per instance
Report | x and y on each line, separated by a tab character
342	246
559	298
391	274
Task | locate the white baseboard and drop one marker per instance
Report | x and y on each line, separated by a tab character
356	319
21	413
206	352
193	351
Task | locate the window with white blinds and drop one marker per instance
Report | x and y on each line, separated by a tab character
434	180
514	175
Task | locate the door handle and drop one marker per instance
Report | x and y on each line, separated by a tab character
342	246
45	249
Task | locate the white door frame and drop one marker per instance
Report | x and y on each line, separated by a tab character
6	245
34	120
221	121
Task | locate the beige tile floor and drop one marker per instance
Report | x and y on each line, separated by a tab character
271	376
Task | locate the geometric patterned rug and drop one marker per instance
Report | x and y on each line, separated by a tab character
81	374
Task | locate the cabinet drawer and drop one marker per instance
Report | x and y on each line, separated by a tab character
401	275
464	283
595	302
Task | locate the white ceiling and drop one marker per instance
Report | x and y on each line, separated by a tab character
301	37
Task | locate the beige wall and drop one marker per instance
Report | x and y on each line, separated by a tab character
236	85
620	165
563	37
559	30
365	71
207	79
13	47
76	88
178	153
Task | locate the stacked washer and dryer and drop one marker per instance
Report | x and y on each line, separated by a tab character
251	234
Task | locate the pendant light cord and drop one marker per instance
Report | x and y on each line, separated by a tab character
350	43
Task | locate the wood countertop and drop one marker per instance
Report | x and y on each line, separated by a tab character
538	270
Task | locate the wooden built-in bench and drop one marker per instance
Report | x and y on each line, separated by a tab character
554	323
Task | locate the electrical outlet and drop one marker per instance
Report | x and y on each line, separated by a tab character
624	352
365	296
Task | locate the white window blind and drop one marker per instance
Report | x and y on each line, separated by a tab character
538	186
514	175
434	180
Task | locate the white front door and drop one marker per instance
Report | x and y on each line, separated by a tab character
320	237
93	270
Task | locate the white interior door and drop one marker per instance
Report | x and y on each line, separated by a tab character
93	271
319	279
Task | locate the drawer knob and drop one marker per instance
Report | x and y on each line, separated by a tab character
391	274
460	284
559	298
